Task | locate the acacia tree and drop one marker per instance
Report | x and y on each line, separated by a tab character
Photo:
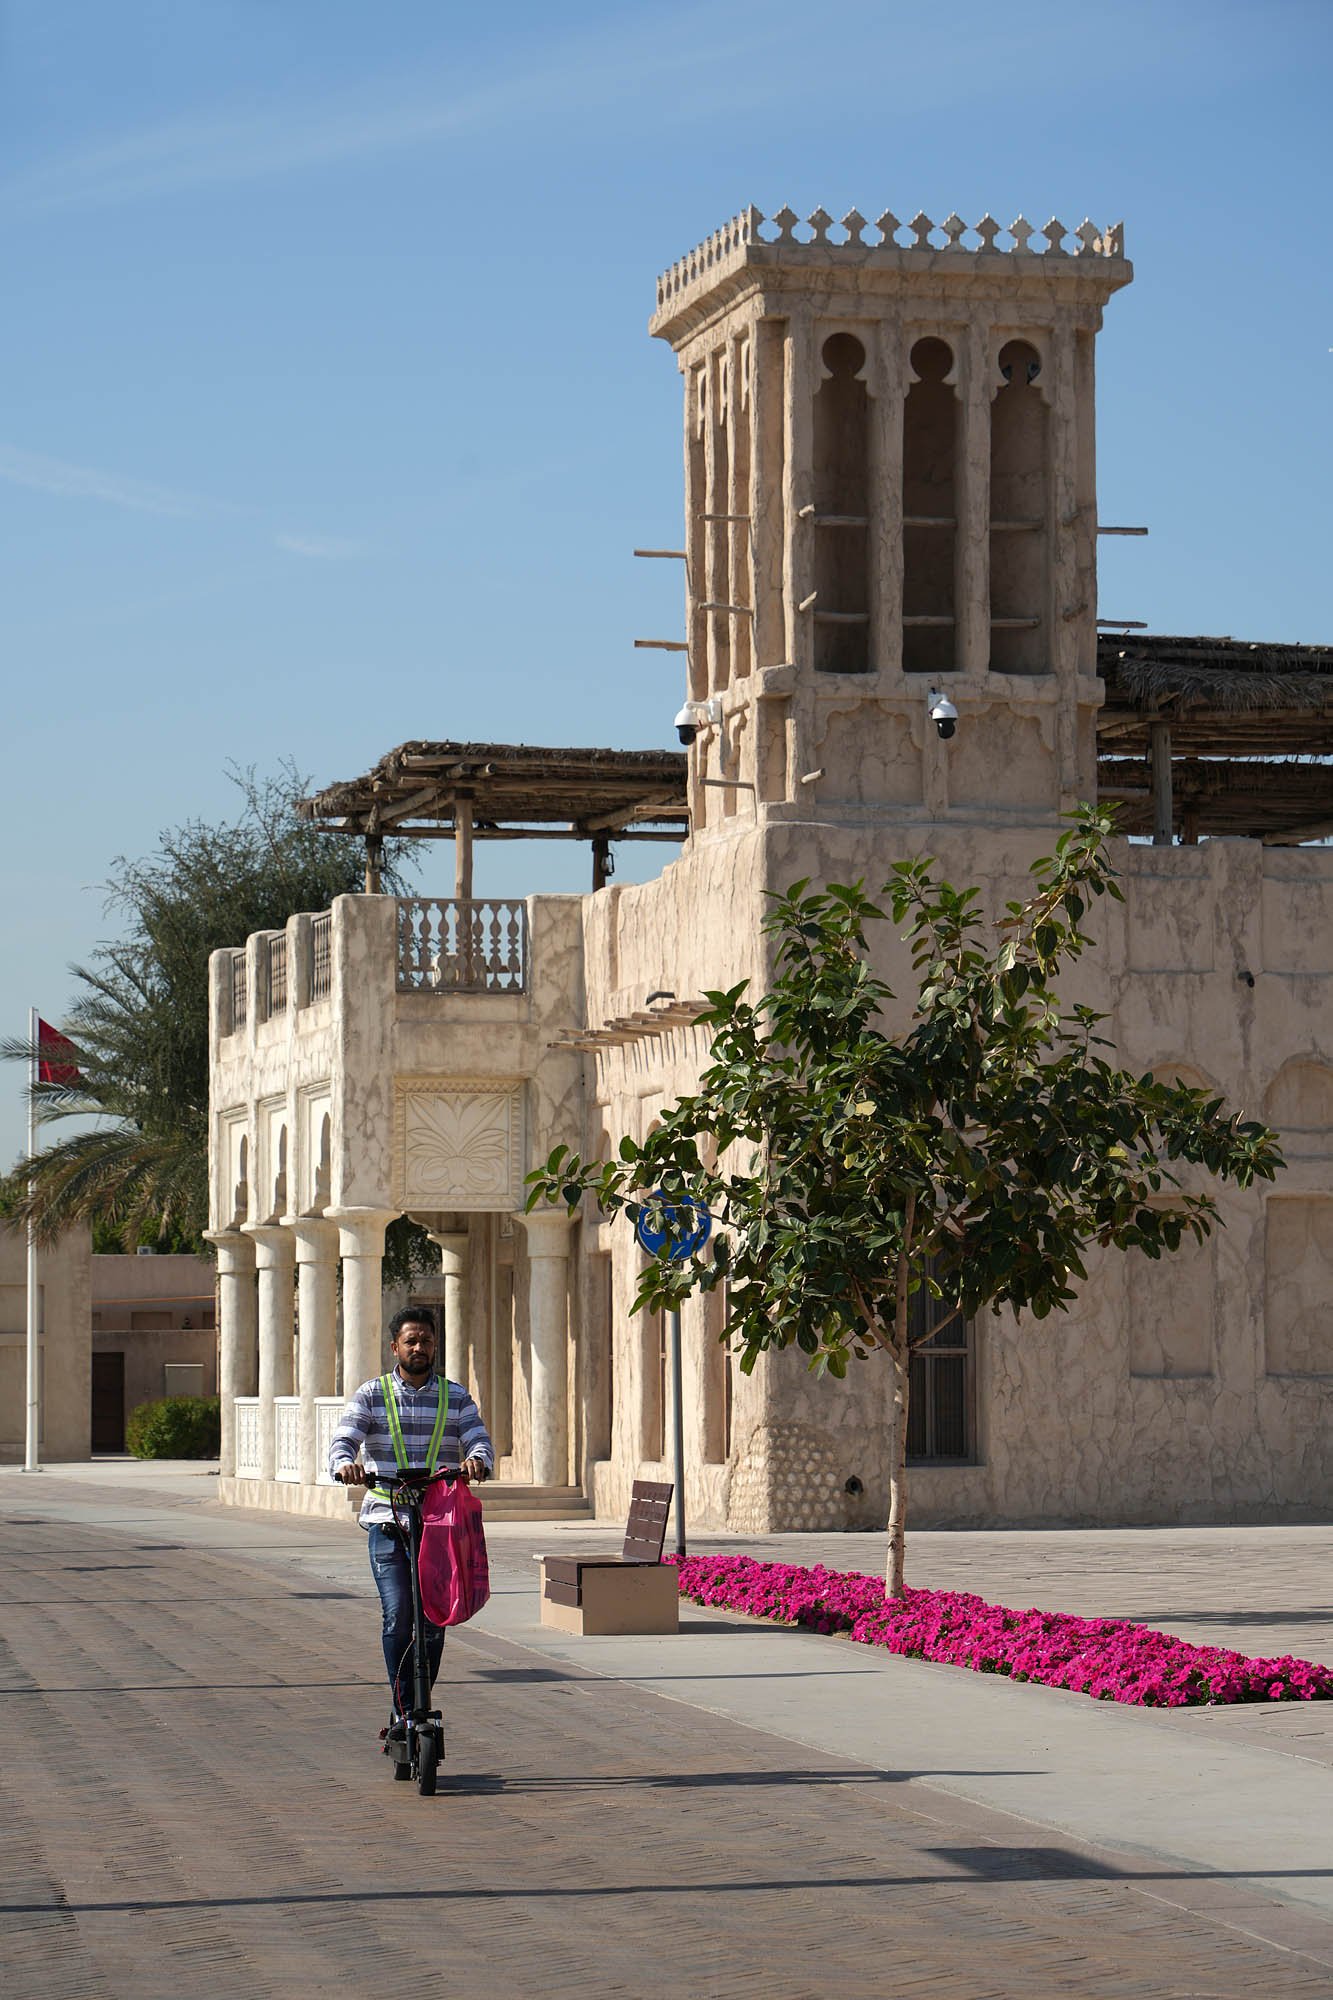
978	1152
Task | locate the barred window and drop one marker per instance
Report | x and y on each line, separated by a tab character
941	1414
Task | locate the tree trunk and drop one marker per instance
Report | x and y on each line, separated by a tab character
899	1354
897	1559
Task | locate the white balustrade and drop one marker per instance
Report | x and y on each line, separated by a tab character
451	946
287	1438
328	1409
247	1437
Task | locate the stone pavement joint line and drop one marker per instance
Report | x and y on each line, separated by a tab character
192	1792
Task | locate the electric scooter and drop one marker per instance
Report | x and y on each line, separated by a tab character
419	1751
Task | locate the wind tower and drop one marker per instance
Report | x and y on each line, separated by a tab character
890	489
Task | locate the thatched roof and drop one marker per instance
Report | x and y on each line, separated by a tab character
515	791
1222	697
1248	725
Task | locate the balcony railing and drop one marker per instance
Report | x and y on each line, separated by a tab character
328	1409
449	946
287	1438
247	1437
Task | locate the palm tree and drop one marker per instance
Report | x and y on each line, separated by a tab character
139	1021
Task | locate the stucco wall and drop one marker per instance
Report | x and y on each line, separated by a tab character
178	1291
1196	1389
64	1282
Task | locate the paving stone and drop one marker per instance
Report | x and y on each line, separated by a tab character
193	1796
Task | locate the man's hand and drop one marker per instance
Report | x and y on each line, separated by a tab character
475	1468
351	1475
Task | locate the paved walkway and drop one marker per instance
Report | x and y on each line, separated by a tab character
191	1791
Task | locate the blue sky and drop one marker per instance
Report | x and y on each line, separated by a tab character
330	416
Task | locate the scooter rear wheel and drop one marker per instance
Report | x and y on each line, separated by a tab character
428	1753
402	1772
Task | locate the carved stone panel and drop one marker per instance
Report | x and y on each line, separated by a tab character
314	1108
233	1169
270	1199
458	1144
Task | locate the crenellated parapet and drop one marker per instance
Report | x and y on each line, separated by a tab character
751	239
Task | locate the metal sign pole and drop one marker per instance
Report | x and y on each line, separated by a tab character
686	1228
678	1429
31	1426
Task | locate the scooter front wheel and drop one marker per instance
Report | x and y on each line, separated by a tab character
428	1757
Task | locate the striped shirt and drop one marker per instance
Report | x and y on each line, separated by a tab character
365	1424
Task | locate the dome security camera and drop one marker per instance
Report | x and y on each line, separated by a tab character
697	715
942	713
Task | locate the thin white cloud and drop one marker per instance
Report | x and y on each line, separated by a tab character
234	146
57	476
324	548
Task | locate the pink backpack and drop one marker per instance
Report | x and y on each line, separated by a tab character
452	1567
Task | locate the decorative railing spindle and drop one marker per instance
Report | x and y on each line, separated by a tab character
446	945
321	956
238	993
277	975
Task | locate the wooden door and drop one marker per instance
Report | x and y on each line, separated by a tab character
108	1426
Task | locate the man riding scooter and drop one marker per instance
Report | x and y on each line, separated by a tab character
409	1417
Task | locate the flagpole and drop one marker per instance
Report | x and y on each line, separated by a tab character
30	1463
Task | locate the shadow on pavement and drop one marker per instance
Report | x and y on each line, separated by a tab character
1056	1867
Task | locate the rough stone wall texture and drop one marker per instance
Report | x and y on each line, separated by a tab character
787	1473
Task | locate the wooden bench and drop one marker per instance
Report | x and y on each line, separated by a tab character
632	1592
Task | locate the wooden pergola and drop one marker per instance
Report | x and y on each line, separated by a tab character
1211	737
1198	738
508	791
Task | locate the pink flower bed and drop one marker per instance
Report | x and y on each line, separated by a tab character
1107	1658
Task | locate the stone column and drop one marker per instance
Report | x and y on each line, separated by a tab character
274	1254
548	1323
767	498
887	372
316	1244
236	1332
452	1245
361	1245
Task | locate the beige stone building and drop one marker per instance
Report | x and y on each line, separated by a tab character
890	497
153	1334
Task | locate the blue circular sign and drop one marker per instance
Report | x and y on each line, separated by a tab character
687	1228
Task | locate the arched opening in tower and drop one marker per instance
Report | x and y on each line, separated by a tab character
930	512
843	639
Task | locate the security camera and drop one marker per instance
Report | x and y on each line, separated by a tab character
942	713
697	715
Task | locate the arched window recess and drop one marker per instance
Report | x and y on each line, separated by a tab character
840	513
1020	639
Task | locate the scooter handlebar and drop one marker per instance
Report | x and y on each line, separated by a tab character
412	1475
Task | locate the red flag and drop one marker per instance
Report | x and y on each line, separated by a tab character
52	1046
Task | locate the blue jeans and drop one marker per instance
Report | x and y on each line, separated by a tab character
390	1567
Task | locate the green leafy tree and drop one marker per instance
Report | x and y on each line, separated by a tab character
979	1152
139	1023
